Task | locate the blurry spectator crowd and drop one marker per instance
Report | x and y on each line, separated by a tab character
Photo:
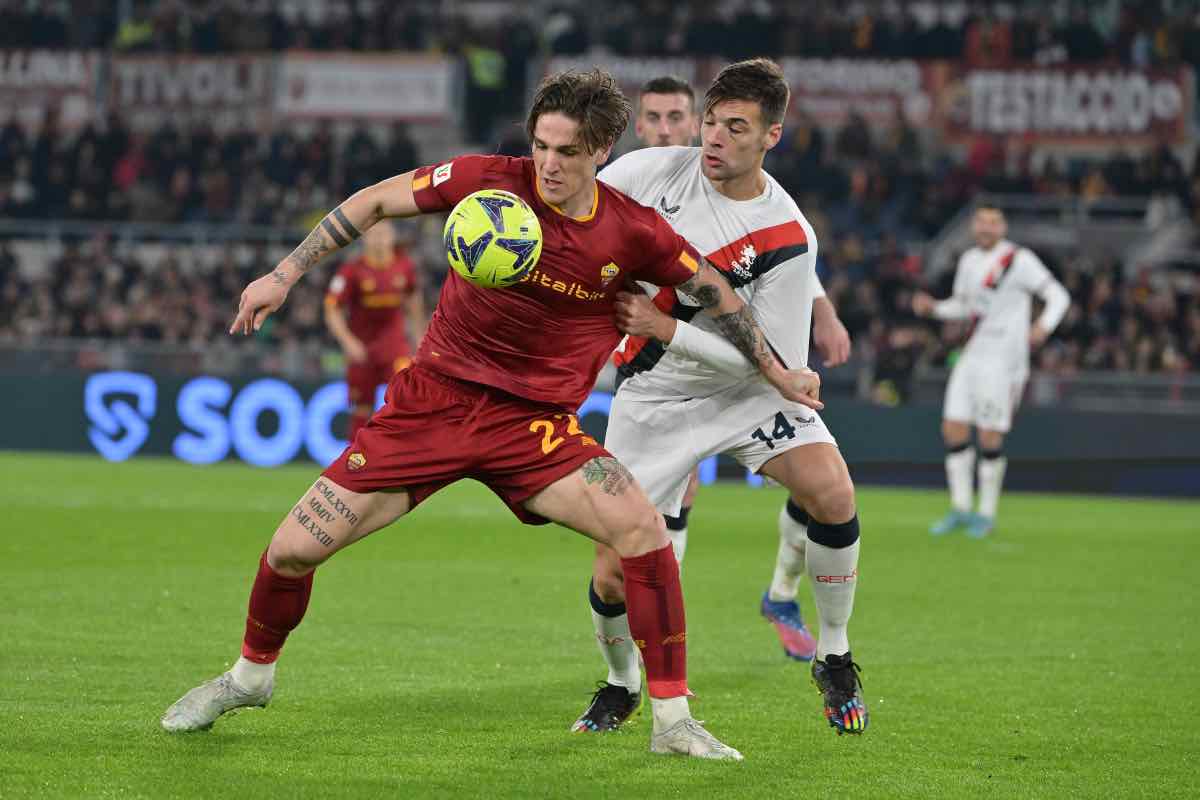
107	172
1143	324
869	192
1139	33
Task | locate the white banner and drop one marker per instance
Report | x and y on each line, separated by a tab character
33	82
372	87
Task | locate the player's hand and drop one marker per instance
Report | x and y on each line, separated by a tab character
259	300
355	350
1038	335
802	386
636	315
923	304
832	339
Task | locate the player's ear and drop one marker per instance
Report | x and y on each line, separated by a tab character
601	156
774	134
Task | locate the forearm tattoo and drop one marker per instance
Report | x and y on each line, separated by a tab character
609	473
339	232
738	327
704	293
742	330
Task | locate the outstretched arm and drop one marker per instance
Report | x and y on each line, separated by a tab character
390	198
737	324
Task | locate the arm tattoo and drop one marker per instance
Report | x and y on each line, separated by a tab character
309	251
313	248
742	330
350	230
705	293
609	473
739	327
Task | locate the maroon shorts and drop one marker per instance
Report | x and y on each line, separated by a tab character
363	376
434	430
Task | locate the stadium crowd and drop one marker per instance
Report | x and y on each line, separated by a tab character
1140	33
869	192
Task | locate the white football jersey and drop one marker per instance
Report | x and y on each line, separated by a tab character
994	289
764	246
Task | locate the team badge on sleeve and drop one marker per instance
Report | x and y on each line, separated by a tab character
442	174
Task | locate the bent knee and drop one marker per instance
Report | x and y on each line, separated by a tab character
955	433
607	579
644	532
833	504
290	556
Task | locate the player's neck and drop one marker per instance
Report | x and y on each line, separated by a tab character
377	260
742	187
581	206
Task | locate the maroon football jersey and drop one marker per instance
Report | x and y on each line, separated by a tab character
375	299
547	337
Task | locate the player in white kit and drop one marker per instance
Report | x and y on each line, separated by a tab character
667	116
684	397
994	286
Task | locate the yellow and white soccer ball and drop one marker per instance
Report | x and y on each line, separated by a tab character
492	238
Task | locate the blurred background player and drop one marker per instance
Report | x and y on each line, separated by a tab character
373	307
684	396
994	284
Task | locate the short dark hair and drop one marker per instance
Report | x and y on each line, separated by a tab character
988	205
758	80
592	98
669	84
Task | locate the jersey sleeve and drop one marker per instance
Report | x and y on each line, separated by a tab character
341	289
668	259
627	173
1031	274
440	186
955	306
782	305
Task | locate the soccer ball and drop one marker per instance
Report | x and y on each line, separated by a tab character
492	238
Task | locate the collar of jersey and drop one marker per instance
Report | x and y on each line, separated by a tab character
762	197
537	187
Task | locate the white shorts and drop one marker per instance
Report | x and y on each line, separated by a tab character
660	441
982	395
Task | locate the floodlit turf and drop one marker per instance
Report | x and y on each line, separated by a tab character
448	655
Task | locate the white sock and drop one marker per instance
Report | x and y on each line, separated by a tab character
789	563
960	476
678	543
252	676
833	573
619	651
668	711
677	531
991	478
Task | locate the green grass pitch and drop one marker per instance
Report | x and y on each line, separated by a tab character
447	656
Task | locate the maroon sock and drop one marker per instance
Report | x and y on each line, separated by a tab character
277	604
654	602
357	421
